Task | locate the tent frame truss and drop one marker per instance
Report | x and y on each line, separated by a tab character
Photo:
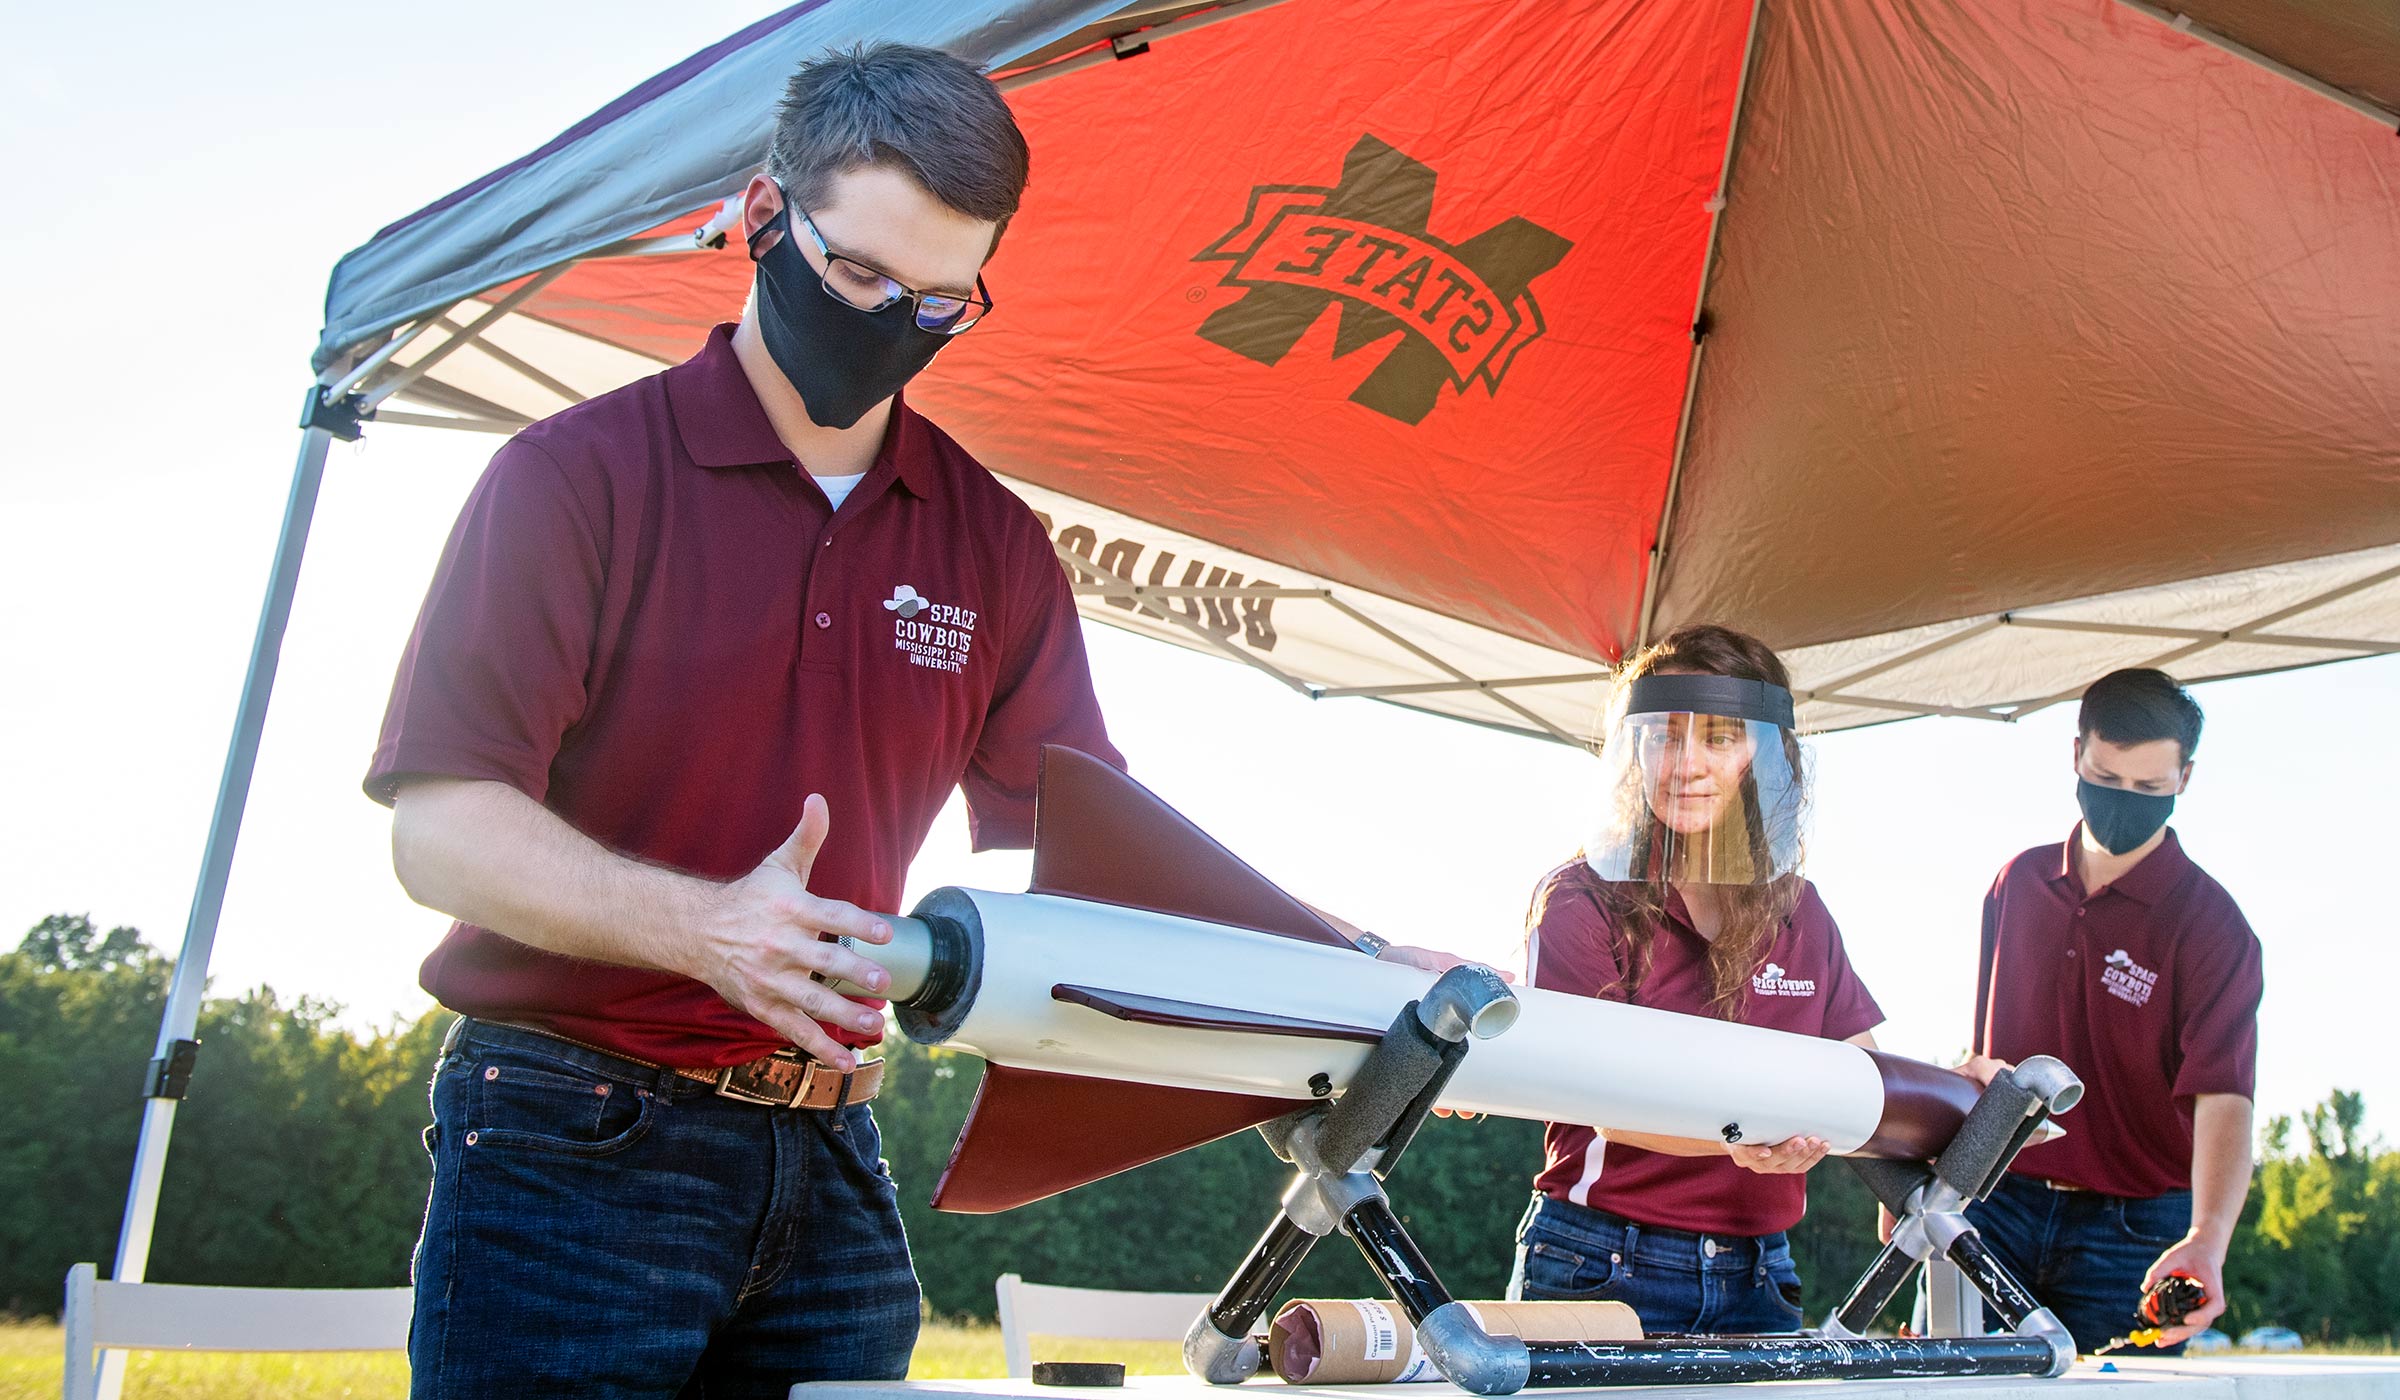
2195	640
377	379
1093	581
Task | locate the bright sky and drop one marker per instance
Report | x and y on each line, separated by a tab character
211	164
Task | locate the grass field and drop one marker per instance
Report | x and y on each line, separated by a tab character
30	1355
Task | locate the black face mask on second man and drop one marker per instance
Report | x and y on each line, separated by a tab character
840	360
2118	819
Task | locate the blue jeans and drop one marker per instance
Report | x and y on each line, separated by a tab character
600	1228
2083	1253
1673	1280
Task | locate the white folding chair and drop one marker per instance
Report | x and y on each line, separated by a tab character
1099	1313
104	1315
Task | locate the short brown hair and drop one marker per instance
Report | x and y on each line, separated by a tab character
2139	705
911	108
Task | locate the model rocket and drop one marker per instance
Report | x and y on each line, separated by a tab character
1151	993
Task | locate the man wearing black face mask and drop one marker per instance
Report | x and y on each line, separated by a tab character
702	661
2118	955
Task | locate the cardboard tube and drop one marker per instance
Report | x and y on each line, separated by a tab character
1346	1341
1559	1322
1365	1341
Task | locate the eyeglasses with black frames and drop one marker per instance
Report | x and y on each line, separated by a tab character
855	284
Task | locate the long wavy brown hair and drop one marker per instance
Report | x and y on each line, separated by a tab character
1753	913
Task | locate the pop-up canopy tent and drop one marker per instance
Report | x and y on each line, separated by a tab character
1442	353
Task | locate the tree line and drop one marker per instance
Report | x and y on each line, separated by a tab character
298	1162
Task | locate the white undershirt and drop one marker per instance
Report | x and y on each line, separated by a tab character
837	488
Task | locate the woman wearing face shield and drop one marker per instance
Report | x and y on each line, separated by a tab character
1687	897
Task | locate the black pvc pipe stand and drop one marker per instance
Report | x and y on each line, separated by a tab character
1718	1360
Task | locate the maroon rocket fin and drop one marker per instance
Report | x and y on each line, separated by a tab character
1033	1134
1099	835
1193	1015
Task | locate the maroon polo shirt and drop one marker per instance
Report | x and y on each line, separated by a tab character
648	620
2148	990
1806	986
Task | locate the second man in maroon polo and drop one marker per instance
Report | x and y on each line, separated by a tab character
2116	953
701	662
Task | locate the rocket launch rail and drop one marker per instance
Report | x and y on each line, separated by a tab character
1152	993
1341	1152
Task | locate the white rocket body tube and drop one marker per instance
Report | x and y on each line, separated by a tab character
1115	1034
1567	1059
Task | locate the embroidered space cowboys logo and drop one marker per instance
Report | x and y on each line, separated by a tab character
1467	308
942	640
1770	982
2126	979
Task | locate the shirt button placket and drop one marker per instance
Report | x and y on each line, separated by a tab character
823	619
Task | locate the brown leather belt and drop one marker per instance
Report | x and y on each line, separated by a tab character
788	1078
792	1079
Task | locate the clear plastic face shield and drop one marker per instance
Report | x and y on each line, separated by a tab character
1701	784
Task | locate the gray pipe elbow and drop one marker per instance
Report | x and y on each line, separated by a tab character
2043	1323
1217	1358
2049	1080
1469	1357
1468	1000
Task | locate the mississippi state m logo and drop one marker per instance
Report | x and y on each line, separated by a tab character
1467	309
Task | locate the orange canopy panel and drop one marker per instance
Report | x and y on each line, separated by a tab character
1430	269
1442	352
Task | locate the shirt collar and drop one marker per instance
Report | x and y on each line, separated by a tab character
2147	883
722	424
908	446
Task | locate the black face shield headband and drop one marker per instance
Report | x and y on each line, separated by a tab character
1730	696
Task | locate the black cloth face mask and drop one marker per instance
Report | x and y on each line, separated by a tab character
840	360
2118	819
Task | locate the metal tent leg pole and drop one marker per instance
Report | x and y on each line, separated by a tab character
171	1066
1953	1307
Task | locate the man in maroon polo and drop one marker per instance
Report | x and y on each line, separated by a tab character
702	660
2118	955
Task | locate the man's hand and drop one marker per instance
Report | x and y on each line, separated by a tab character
2191	1255
1788	1157
763	947
2220	1180
1982	1068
